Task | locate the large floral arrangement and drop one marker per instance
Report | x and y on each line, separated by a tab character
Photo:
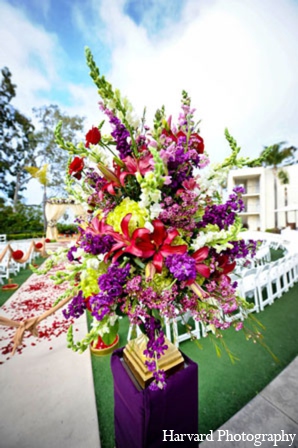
159	242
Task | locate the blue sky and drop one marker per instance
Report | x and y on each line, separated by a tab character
237	59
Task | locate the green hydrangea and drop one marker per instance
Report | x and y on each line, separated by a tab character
138	219
89	278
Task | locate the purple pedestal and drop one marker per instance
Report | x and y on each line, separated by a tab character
142	416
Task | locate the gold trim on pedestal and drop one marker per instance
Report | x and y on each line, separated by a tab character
133	355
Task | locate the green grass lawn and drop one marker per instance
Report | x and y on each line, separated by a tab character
224	388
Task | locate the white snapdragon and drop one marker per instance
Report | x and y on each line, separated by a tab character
155	210
98	154
79	253
60	255
104	328
78	193
92	263
219	240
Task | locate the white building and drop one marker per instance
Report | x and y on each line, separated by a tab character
259	196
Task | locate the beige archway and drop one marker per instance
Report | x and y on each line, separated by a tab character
55	208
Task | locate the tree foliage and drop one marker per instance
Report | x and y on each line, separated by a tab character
278	155
17	142
25	219
48	151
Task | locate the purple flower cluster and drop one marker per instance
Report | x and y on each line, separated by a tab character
180	165
70	253
156	339
241	249
92	177
156	347
76	307
181	266
97	244
223	215
180	215
120	134
111	287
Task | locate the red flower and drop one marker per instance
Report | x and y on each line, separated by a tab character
195	140
17	255
202	269
76	167
93	137
201	255
223	266
144	244
38	245
197	143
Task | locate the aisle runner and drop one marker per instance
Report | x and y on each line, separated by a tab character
34	297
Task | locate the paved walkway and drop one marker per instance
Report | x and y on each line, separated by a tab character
47	394
47	398
274	410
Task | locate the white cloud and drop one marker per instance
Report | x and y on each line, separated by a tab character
29	53
238	61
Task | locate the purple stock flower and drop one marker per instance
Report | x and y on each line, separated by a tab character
97	244
182	266
76	307
111	287
120	134
70	253
223	215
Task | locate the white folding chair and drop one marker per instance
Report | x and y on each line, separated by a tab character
275	280
284	285
179	330
248	288
264	287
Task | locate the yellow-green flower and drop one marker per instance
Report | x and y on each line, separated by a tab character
138	218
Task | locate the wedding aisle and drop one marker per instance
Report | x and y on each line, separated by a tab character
47	392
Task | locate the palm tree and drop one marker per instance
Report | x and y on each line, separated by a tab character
284	179
277	157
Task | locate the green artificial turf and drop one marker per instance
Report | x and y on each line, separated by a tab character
20	278
224	388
